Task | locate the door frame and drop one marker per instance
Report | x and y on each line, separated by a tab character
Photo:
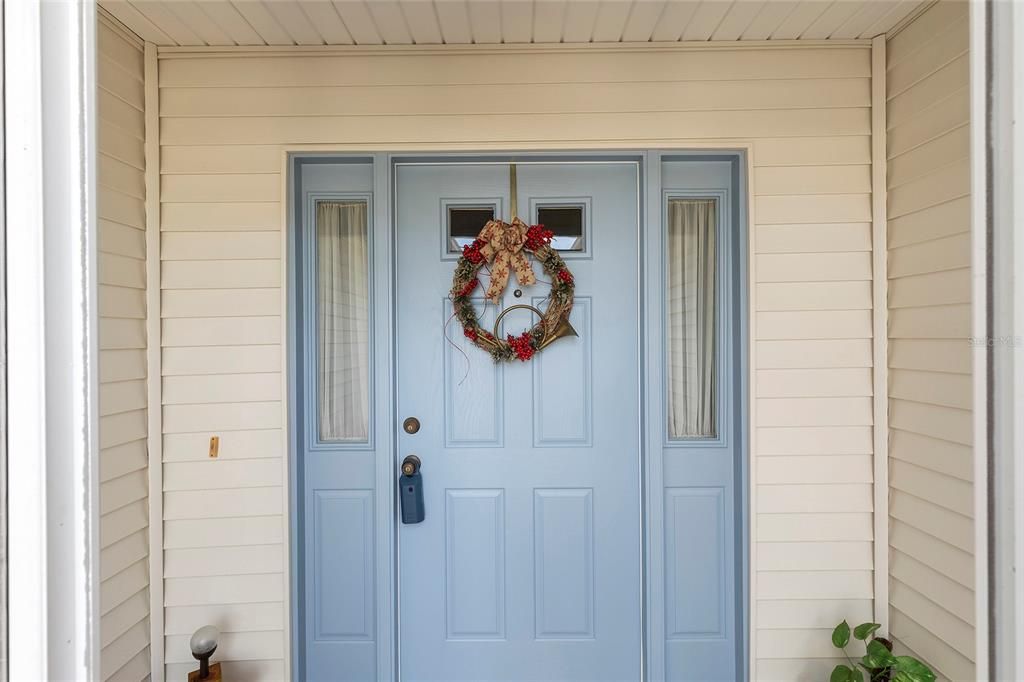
383	288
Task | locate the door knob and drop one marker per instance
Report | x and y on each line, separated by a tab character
410	465
410	490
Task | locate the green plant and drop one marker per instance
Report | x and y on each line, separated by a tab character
878	661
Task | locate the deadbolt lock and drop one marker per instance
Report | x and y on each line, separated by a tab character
411	425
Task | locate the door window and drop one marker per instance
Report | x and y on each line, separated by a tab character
692	325
465	223
343	321
566	222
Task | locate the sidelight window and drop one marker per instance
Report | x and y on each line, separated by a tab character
692	325
343	320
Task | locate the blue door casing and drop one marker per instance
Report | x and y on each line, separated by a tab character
567	537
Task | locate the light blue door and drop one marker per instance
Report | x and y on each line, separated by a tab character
528	565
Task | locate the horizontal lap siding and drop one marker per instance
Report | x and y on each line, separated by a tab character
223	121
124	481
930	395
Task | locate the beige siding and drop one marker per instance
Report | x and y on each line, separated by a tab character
931	497
124	481
223	123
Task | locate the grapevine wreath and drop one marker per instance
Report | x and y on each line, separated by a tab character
506	245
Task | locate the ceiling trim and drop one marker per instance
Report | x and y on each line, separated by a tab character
910	18
110	21
166	51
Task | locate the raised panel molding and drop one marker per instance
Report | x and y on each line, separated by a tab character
695	555
473	387
563	541
475	564
562	378
343	575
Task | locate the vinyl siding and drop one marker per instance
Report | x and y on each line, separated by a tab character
931	573
223	122
124	480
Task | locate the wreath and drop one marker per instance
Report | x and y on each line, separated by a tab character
506	245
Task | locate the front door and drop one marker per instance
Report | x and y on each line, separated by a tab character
528	563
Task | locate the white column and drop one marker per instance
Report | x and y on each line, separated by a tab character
49	102
153	369
880	338
980	330
1005	347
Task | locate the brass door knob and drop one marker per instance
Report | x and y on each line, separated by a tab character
410	465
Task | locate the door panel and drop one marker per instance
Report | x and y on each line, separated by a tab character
473	414
563	546
527	565
702	606
695	517
474	581
335	469
342	526
562	397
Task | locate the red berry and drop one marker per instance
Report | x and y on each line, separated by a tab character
521	346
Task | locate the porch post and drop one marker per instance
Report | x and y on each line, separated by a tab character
880	332
49	101
154	413
997	38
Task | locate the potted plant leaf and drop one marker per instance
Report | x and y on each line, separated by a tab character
878	661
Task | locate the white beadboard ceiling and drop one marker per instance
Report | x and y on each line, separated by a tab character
423	22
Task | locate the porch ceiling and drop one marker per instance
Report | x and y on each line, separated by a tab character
421	22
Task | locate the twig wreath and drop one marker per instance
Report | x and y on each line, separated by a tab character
504	244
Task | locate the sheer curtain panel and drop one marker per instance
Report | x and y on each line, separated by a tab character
343	320
692	297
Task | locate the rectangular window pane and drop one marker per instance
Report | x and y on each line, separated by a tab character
465	223
692	329
343	320
567	224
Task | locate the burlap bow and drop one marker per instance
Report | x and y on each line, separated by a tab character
503	244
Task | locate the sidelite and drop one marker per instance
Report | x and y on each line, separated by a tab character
691	322
343	320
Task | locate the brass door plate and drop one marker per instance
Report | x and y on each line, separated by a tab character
214	446
411	425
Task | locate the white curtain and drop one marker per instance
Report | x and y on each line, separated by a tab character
691	311
343	320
